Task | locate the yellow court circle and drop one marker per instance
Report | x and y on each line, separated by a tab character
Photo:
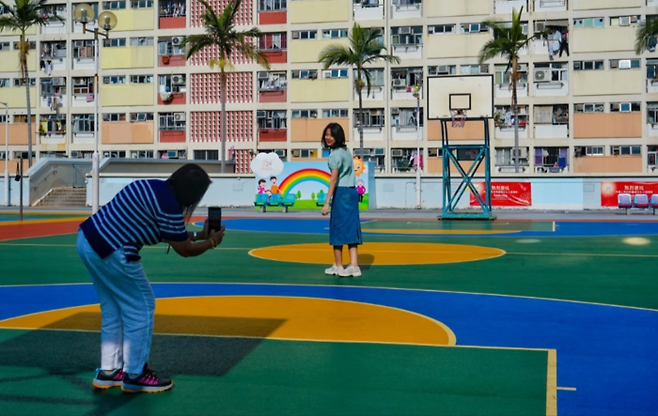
386	254
272	317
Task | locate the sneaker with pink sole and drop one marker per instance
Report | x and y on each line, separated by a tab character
147	382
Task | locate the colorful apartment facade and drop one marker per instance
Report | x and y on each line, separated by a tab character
587	103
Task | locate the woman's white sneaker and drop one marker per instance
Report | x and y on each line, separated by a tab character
350	271
334	270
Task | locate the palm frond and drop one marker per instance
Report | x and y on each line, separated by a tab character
646	33
337	55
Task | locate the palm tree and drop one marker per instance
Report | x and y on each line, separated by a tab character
508	40
220	32
364	49
646	33
23	15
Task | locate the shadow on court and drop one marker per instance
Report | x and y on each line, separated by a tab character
67	354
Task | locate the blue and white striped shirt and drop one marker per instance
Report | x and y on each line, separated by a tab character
145	212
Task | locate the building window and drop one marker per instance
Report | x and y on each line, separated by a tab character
406	77
172	121
588	108
272	81
304	153
504	117
141	4
625	107
588	22
174	8
473	28
625	20
334	33
305	74
83	49
334	73
141	117
114	79
141	79
114	5
442	70
335	113
371	118
588	66
271	119
304	34
624	63
505	156
171	46
438	29
83	123
625	150
559	72
206	155
407	35
114	43
141	154
304	113
271	6
474	69
273	41
115	153
503	76
114	117
406	117
141	41
551	114
20	82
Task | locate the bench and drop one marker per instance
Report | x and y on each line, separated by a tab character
627	201
263	201
288	201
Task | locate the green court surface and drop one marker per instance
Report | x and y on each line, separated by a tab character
275	377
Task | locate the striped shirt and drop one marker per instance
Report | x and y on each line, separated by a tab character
145	212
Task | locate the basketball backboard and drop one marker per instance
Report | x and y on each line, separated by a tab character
471	93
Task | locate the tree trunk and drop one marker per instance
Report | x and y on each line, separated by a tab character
515	111
360	91
26	79
223	118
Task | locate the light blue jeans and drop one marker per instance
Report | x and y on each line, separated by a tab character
127	308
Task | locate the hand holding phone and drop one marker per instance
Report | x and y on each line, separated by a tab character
215	218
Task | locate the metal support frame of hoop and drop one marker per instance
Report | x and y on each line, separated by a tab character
450	198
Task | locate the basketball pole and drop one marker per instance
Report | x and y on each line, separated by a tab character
418	133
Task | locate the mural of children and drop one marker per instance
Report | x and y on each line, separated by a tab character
274	188
261	186
361	190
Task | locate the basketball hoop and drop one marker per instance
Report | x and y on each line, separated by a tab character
458	118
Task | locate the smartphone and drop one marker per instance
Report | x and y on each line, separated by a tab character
215	218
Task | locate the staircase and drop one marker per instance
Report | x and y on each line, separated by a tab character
64	198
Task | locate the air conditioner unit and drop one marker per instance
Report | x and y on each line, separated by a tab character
430	29
395	111
326	74
397	153
624	21
404	30
295	153
177	40
542	75
80	81
263	75
399	82
178	80
179	116
442	69
59	82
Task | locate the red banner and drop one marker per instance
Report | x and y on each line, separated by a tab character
506	194
610	191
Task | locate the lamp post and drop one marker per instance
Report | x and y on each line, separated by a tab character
6	152
418	133
85	14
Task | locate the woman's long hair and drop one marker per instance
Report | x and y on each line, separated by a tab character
337	133
189	184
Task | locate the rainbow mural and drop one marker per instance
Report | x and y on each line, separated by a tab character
304	175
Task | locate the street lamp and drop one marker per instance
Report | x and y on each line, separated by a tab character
418	133
85	14
6	152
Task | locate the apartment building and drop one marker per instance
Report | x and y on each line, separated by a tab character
591	108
